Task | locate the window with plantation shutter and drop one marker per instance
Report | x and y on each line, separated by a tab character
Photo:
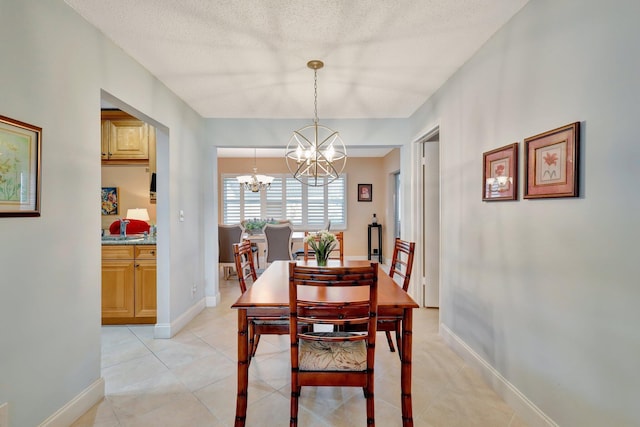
336	192
308	208
294	201
231	200
252	205
316	206
275	203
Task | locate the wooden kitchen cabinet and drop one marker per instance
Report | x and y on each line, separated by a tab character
125	139
128	284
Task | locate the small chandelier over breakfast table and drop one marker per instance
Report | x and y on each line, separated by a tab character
315	154
255	182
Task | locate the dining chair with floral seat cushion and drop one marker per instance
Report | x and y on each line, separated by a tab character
278	241
336	253
245	268
227	236
334	359
401	266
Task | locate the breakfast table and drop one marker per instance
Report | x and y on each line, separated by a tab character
269	296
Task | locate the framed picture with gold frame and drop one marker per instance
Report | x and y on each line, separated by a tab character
500	173
552	163
20	169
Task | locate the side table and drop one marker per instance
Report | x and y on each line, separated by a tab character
375	251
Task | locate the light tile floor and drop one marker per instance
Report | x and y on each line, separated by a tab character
190	380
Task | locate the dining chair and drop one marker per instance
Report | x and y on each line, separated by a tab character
243	257
336	253
334	359
300	252
254	246
278	241
401	266
227	236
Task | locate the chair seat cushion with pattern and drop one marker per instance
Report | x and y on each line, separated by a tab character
332	356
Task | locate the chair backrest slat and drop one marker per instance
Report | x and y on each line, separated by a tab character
341	313
402	261
243	258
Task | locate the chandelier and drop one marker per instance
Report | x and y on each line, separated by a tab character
255	182
315	154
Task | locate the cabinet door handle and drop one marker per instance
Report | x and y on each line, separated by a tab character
137	265
153	252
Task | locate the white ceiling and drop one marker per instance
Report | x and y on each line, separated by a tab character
247	59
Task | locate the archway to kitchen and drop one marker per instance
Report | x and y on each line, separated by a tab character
160	166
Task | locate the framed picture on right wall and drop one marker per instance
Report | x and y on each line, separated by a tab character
500	173
551	160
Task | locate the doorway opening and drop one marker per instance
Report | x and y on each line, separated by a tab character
141	196
428	195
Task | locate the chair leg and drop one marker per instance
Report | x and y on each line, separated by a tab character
295	394
371	418
251	333
255	344
399	340
390	341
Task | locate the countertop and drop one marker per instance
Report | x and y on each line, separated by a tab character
134	239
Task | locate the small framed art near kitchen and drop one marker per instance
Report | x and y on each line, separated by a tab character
20	169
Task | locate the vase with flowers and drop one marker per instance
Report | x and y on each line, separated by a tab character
322	243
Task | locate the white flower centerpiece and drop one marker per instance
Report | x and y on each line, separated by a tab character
322	243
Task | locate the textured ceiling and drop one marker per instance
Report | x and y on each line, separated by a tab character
247	59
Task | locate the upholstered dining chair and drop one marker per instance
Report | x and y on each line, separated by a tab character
401	266
247	275
334	359
278	242
227	236
337	253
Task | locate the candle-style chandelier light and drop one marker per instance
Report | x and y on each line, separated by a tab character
315	154
255	182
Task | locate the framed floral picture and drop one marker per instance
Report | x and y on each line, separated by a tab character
500	173
20	170
110	200
552	163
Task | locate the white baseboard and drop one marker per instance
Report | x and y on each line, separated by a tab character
74	409
212	301
524	408
168	330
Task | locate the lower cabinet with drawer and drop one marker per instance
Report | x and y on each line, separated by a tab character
128	284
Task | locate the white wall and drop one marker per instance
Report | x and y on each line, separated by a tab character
546	291
54	67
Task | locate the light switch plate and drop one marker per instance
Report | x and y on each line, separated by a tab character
181	215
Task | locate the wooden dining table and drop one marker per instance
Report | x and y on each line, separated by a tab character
269	296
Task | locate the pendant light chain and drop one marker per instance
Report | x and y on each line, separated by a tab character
315	154
315	96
